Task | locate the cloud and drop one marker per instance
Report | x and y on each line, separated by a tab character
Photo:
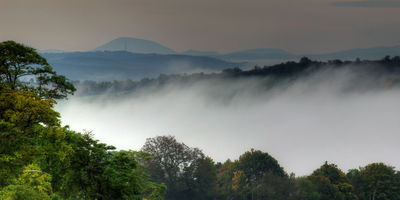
368	4
301	124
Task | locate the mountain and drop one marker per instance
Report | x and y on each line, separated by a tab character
201	53
51	51
146	46
247	55
113	65
258	54
134	45
364	53
279	54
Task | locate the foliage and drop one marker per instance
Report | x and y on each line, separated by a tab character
307	190
377	181
172	163
255	164
277	187
205	179
29	130
332	183
22	68
33	184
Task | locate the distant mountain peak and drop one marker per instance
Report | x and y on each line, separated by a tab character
51	51
200	53
135	45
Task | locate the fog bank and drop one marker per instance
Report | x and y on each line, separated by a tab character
301	124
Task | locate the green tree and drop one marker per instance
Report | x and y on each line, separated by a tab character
332	172
120	180
224	179
33	184
255	164
332	183
28	127
206	179
172	163
326	190
83	177
379	182
276	187
307	190
60	163
22	68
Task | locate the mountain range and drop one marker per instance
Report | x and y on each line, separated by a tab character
117	65
136	45
132	58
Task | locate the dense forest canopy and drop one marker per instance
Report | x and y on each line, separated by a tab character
40	159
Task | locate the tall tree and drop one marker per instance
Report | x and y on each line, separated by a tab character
332	183
379	182
206	179
29	131
172	163
22	68
255	164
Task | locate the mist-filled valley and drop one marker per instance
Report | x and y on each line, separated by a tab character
284	131
302	113
199	100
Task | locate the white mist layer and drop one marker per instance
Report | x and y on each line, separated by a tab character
307	124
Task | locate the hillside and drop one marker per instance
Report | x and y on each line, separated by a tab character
134	45
114	65
358	76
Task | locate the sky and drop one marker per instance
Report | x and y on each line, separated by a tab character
301	26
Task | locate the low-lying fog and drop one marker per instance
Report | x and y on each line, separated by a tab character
312	121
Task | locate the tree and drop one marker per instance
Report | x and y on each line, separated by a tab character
22	68
240	185
28	128
379	182
306	189
332	172
172	163
332	183
40	159
276	187
97	172
33	184
255	164
326	190
224	179
83	178
120	180
206	179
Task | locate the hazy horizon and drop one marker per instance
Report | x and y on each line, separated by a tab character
211	50
306	26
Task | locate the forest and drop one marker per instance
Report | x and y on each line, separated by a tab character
370	75
41	159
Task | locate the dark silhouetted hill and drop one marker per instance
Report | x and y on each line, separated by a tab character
114	65
135	45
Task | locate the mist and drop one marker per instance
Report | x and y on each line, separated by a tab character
328	116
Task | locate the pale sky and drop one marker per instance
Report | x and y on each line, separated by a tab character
300	26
